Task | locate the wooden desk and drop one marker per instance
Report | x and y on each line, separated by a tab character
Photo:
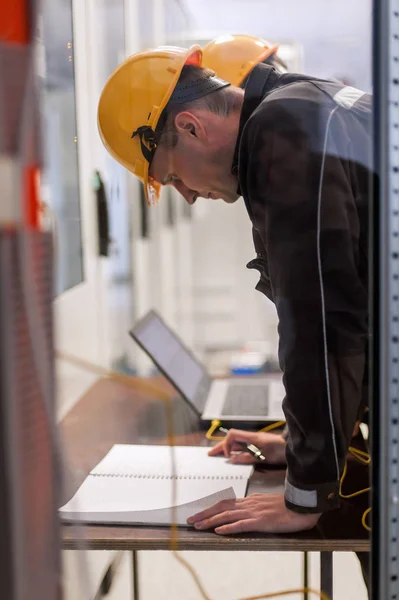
114	413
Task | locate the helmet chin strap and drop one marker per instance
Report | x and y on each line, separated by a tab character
148	141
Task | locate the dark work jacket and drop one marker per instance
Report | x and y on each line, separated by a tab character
303	160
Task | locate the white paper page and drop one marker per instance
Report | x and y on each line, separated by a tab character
167	516
152	461
94	509
100	494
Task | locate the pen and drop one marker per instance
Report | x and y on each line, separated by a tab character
251	448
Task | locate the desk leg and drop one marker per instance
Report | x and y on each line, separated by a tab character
326	573
135	575
305	575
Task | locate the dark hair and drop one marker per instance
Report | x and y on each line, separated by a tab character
222	101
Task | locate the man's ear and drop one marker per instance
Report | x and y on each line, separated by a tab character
188	124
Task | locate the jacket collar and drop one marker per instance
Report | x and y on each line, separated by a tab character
262	80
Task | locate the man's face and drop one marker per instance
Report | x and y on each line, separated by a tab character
200	163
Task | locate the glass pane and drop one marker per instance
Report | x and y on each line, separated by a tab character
288	147
60	178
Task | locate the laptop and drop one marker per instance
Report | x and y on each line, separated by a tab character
238	399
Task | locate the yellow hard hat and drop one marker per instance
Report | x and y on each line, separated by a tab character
233	57
131	104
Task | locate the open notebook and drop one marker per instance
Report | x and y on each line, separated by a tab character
135	485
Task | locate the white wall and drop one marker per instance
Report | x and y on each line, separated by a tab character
227	309
336	35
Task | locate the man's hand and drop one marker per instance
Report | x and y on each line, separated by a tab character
259	512
271	445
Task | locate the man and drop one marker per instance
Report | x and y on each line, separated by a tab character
233	57
298	150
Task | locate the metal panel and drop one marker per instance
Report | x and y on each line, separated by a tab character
28	493
386	304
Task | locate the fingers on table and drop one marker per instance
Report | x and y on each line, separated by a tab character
217	508
223	518
245	525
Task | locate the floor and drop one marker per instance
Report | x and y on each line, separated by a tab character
232	576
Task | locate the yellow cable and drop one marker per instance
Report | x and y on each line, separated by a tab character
364	519
209	434
193	574
272	426
216	423
360	455
365	459
357	451
354	494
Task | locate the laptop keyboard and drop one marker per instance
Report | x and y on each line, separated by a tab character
246	400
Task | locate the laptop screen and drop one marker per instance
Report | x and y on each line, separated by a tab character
173	358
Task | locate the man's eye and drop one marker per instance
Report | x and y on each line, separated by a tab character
172	179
